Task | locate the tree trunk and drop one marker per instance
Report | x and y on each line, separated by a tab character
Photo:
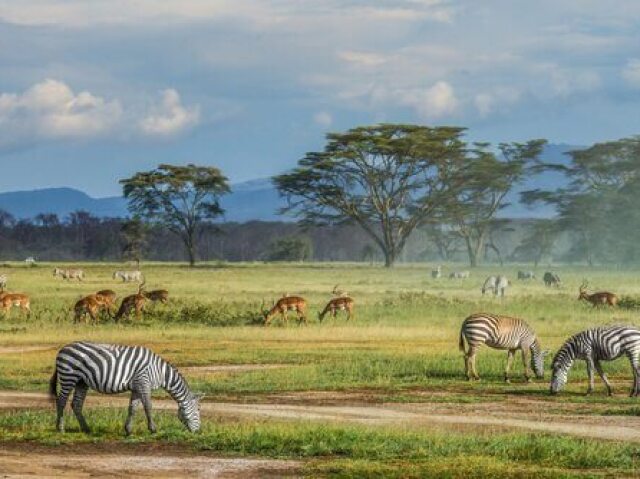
191	250
389	258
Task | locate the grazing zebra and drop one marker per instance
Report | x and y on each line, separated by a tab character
551	279
436	273
69	274
3	282
605	343
459	275
501	332
497	284
128	276
115	368
526	275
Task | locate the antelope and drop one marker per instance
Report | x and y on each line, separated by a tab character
91	305
551	279
109	299
21	300
284	305
133	302
459	275
600	298
161	295
69	274
341	303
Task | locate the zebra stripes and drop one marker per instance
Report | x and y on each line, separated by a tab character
594	345
497	284
500	332
128	276
114	368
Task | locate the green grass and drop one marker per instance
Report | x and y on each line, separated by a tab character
402	347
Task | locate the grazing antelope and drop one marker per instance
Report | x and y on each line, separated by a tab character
128	276
501	332
522	275
459	275
109	299
21	300
89	305
600	298
161	295
133	302
341	303
551	279
286	304
69	274
436	273
3	282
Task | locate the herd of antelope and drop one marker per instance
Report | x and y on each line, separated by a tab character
341	301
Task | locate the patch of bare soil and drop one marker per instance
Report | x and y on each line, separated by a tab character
23	464
500	415
23	349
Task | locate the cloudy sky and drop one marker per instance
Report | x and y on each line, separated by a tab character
94	90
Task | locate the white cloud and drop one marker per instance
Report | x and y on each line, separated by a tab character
431	103
365	59
323	118
484	103
631	72
51	110
170	117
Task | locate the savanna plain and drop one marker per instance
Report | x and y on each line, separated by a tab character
383	395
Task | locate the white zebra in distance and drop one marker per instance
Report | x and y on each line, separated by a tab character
436	273
129	276
3	282
501	332
69	274
459	275
112	369
605	343
497	284
522	275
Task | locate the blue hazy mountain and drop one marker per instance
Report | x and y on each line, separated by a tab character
250	200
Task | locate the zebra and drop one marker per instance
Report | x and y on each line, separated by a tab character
69	273
436	273
551	279
604	343
128	276
501	332
115	368
497	284
3	282
522	275
459	275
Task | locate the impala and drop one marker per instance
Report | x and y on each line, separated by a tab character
286	304
597	299
21	300
161	295
341	303
91	305
133	302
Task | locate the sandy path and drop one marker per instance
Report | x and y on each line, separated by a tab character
21	464
489	415
231	368
24	349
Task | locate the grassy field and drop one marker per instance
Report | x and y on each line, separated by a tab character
400	352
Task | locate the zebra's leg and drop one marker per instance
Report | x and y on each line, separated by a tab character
61	402
79	396
472	362
133	404
510	355
525	363
590	367
602	374
146	403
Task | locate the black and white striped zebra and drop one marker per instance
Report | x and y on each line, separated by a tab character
114	368
604	343
501	332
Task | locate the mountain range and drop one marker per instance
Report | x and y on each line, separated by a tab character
251	200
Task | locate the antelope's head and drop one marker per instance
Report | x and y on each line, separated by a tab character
582	291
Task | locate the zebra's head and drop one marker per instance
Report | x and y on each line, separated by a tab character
189	413
537	363
561	364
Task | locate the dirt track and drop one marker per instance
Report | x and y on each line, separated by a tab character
518	415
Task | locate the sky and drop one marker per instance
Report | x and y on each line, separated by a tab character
92	91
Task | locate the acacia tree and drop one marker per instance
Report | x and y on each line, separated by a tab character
180	198
490	178
387	179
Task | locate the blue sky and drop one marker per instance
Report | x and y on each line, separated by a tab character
93	90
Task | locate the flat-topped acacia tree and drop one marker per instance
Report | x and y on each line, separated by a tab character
387	179
180	198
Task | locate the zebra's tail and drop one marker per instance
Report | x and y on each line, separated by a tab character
53	385
461	340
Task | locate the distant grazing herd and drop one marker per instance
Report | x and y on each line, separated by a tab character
139	370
